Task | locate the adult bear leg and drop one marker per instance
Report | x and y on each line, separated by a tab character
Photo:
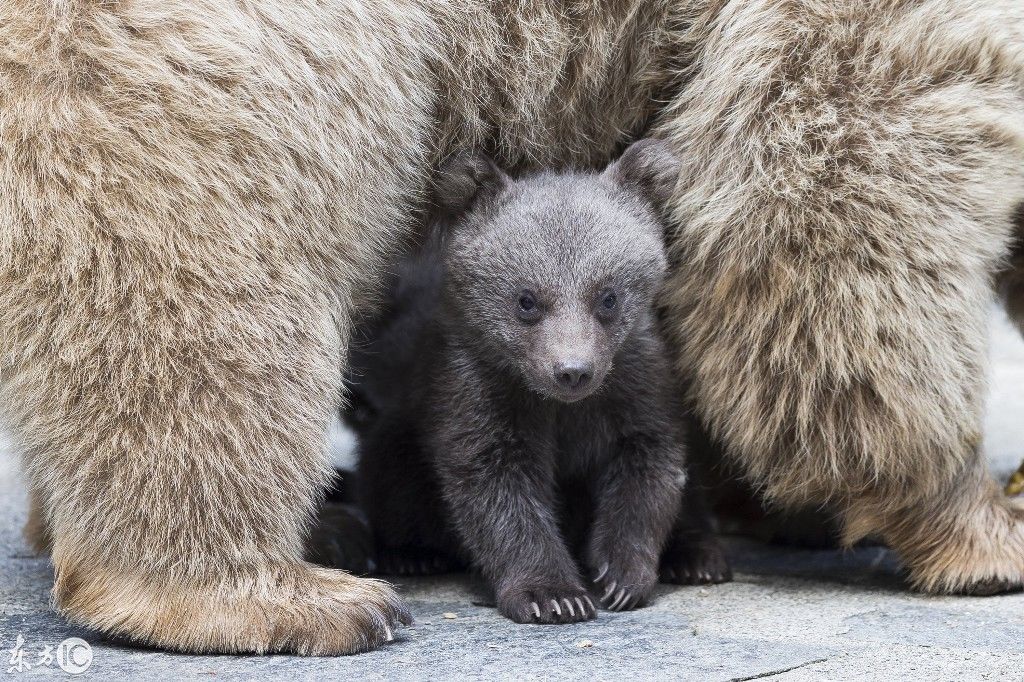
968	539
846	204
179	452
195	196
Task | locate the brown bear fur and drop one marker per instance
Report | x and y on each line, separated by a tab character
854	169
197	196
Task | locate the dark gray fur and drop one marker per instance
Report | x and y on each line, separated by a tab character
478	444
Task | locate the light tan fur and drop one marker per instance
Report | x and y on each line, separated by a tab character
196	198
854	167
183	237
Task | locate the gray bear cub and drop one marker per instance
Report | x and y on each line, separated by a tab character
518	404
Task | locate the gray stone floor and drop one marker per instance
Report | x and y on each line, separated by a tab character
790	615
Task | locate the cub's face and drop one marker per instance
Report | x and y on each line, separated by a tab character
554	272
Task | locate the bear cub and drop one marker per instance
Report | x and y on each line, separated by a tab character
515	405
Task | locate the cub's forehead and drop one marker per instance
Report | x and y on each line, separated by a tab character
569	224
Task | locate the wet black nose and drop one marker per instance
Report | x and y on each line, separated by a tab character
574	375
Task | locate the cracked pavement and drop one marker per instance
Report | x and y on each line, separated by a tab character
790	615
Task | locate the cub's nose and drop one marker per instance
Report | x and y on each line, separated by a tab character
574	375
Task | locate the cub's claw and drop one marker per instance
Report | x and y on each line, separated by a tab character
695	562
563	605
619	601
625	583
624	601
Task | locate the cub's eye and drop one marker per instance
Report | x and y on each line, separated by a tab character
527	302
607	307
529	309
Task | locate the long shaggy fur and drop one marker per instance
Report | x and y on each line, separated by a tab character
193	197
854	167
196	197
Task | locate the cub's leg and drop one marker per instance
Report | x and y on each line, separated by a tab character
636	503
401	495
500	490
341	538
847	202
507	519
393	524
693	554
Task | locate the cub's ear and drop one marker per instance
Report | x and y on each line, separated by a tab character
648	167
464	178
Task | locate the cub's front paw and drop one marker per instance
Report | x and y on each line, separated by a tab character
624	584
546	604
700	561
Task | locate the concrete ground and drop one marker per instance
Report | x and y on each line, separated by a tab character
790	614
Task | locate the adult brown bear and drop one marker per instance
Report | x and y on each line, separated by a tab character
196	196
